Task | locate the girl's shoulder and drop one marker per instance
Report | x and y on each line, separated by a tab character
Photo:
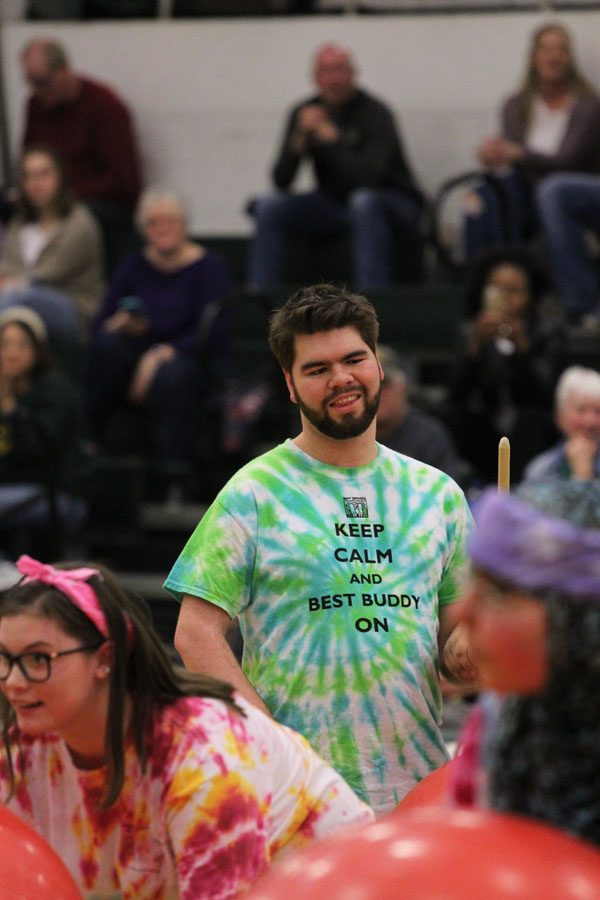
193	715
201	729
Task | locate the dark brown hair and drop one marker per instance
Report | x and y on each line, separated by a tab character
485	265
64	200
43	356
320	307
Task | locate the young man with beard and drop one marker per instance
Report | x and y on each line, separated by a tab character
341	559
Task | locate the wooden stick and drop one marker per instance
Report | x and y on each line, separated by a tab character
504	464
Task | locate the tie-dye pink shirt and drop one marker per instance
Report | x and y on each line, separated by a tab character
222	794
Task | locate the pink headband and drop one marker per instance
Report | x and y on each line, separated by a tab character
71	582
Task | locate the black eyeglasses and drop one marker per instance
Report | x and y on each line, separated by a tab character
37	665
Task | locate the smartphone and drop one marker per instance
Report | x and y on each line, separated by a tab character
493	299
133	305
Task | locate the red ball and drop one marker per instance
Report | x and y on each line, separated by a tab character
29	867
433	790
429	855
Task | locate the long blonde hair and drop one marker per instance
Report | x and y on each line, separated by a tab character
574	80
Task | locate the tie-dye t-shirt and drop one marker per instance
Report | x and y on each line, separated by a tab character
221	795
337	575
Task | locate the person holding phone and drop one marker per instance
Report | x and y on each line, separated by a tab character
503	381
145	350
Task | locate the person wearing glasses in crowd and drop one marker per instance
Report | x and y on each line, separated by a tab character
147	781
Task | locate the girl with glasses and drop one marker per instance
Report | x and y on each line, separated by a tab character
147	781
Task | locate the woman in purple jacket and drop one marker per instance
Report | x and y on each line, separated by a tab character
159	341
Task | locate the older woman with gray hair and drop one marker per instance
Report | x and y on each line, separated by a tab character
577	413
146	347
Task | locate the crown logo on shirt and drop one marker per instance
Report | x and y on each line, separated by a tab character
356	507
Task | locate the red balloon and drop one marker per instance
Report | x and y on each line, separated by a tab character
429	855
29	867
433	790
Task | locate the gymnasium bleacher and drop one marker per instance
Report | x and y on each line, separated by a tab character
217	153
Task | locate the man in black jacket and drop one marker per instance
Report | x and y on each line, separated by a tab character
364	184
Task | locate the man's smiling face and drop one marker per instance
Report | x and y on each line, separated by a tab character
335	381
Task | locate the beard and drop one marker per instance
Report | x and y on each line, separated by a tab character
349	425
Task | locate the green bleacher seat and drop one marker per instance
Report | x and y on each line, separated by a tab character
234	249
422	322
314	259
420	317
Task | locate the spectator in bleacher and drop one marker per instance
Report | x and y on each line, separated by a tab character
552	124
51	255
505	373
92	129
409	430
40	433
568	207
577	409
364	185
160	340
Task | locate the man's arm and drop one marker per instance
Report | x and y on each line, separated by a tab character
200	639
290	154
455	662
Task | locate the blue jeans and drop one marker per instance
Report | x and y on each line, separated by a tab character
56	310
174	401
27	503
504	218
371	216
569	205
